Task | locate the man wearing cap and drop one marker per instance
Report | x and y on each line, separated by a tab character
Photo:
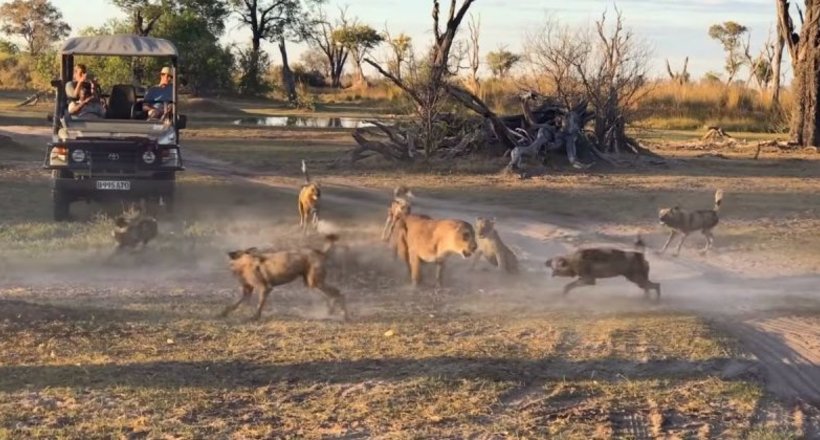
157	98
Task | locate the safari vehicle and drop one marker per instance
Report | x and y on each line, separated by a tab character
122	155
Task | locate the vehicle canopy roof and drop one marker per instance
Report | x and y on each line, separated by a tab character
119	45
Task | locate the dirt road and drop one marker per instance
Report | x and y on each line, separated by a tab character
776	319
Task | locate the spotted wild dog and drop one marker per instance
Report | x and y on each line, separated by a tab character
309	196
686	222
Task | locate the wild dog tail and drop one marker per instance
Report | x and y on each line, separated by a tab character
718	199
640	246
305	172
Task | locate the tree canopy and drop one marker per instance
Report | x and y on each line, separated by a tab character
501	61
37	22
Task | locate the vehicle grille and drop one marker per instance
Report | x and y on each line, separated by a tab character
114	159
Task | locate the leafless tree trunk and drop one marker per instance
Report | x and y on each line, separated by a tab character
287	75
474	26
804	50
428	90
336	54
777	63
681	77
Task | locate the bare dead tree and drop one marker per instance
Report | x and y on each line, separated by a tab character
681	77
321	37
426	86
804	51
474	25
551	52
613	74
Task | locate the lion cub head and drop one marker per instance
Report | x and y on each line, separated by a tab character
484	227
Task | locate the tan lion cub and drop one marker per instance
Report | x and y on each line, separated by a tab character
492	248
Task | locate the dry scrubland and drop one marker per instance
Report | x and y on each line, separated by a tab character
131	348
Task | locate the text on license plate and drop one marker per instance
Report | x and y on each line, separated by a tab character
114	185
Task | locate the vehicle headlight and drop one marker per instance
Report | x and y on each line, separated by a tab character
168	138
78	155
149	157
170	157
58	156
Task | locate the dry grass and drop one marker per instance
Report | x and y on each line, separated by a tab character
154	363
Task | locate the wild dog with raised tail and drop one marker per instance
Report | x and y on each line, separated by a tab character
686	222
593	263
492	248
262	271
399	205
309	196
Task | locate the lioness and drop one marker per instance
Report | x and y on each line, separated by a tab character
492	248
432	241
309	196
398	206
262	271
687	222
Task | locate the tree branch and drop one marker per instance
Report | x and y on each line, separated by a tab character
396	81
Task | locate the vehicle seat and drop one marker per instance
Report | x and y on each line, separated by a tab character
122	104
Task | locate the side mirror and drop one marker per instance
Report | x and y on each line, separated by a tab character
182	122
56	83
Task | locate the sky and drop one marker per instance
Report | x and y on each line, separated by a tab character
674	29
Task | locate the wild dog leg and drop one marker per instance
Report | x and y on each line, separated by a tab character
682	239
387	227
247	290
583	281
666	245
262	298
710	239
336	300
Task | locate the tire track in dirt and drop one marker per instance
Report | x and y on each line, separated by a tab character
791	365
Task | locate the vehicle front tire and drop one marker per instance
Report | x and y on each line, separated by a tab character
61	205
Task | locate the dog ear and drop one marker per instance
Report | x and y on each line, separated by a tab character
235	254
548	263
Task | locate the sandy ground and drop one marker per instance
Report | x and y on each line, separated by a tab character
776	318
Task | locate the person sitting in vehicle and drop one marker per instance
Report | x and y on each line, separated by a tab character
87	103
72	88
157	99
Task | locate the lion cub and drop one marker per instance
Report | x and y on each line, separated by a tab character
309	197
492	248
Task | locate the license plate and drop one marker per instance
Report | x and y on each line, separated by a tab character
114	185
